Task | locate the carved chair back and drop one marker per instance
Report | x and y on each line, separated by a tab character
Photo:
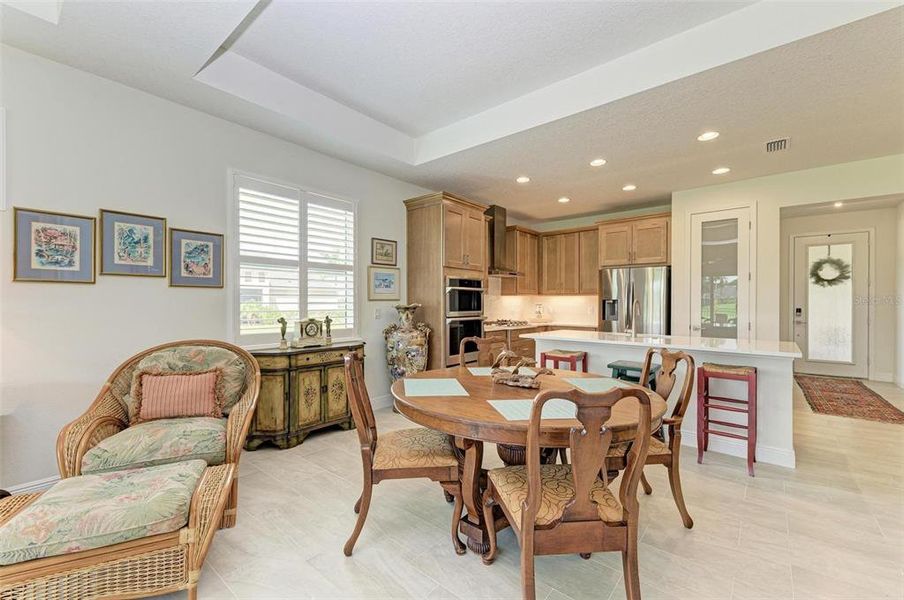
589	445
666	379
487	349
359	402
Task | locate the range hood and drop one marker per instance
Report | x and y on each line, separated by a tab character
500	264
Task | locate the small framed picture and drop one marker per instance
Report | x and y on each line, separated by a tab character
53	247
384	252
383	283
196	259
132	244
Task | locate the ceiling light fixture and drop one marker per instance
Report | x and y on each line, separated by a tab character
707	136
630	187
564	200
597	162
839	204
721	171
522	179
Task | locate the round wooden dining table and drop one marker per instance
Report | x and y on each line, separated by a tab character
472	420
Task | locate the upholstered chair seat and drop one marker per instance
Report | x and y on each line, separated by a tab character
556	489
416	447
159	442
657	448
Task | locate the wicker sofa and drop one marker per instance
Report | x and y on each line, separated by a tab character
94	439
146	565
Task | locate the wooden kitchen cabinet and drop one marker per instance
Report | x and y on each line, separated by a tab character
568	262
640	241
464	237
589	269
302	389
522	249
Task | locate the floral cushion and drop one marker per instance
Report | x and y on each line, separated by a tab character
159	442
556	490
92	511
417	447
189	359
657	447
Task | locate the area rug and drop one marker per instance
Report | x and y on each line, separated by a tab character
845	397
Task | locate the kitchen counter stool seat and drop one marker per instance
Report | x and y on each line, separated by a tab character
571	357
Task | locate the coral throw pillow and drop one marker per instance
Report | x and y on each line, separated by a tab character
162	395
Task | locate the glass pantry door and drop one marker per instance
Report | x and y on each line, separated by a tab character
720	274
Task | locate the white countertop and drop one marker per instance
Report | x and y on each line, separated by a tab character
534	324
677	342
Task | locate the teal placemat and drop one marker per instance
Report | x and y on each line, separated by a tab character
479	371
519	410
434	387
598	384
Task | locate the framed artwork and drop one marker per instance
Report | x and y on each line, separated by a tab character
132	244
383	283
384	252
54	247
196	259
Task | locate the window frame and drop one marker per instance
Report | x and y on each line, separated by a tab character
234	284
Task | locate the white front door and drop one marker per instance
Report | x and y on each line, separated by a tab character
830	304
720	274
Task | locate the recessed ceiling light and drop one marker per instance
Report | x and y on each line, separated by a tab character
721	171
707	136
563	199
523	179
597	162
839	204
630	187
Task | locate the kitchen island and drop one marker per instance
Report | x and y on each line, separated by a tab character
773	360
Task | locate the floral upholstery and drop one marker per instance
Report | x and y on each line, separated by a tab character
159	442
189	359
657	448
418	447
92	511
556	490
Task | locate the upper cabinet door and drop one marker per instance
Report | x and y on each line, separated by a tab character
570	263
550	267
528	250
650	241
589	261
454	218
475	235
615	244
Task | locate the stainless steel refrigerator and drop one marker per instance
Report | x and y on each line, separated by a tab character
635	300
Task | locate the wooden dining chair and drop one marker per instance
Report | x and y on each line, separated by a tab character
487	349
662	451
569	509
403	454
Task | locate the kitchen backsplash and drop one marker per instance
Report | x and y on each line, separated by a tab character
570	310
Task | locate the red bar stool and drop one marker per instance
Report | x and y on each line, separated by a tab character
707	402
567	356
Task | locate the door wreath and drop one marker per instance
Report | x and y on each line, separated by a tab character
828	272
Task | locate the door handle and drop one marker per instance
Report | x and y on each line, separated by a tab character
695	328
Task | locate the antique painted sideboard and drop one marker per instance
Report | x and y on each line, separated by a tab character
302	389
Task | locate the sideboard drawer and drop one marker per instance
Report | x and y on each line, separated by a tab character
318	358
272	362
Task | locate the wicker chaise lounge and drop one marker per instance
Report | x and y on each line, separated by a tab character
144	566
99	440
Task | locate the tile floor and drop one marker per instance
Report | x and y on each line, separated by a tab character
831	529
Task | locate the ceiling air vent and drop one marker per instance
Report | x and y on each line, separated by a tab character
777	145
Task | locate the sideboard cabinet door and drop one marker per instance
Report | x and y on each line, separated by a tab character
306	408
270	415
336	398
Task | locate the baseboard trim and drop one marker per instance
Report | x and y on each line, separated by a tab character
765	454
31	487
883	377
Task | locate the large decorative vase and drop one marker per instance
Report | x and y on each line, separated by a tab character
406	343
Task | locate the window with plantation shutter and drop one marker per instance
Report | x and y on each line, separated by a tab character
296	259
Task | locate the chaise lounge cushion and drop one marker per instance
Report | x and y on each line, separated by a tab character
191	359
92	511
159	442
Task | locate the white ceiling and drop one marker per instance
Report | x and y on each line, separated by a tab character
465	97
419	67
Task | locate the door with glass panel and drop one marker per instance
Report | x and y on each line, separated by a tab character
720	274
830	311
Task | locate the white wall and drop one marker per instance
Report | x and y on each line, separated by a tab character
76	143
766	196
899	297
881	223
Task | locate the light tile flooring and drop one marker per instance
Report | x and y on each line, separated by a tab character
831	529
